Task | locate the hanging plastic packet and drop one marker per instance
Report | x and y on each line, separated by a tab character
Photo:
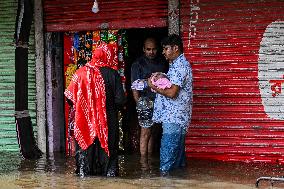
104	35
139	84
95	7
112	36
96	39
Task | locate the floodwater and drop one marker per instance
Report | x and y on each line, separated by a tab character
58	172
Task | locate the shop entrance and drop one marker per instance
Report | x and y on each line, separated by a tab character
131	128
78	50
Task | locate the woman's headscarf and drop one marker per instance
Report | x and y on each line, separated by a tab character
87	92
105	55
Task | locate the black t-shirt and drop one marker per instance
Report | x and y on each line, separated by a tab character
143	68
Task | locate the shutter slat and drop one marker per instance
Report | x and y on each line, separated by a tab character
222	40
76	15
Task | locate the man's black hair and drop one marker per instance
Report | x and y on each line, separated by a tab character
173	40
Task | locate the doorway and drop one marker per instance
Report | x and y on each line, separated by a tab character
131	128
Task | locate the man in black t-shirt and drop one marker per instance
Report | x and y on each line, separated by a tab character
142	68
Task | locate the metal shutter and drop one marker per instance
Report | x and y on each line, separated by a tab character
76	15
236	49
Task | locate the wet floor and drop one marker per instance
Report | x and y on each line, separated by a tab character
58	172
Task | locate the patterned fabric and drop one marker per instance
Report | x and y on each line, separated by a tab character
105	55
161	81
178	110
144	109
87	93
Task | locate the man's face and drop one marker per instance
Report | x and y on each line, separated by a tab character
169	52
150	49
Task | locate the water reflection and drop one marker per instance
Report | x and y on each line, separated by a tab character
57	171
145	163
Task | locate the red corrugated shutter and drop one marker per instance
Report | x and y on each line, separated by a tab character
76	15
236	49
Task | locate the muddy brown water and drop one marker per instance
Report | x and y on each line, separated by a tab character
57	171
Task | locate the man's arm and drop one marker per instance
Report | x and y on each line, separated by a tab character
135	95
135	74
171	92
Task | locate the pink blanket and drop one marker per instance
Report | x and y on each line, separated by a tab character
161	81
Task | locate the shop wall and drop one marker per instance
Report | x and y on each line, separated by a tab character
8	134
76	15
236	49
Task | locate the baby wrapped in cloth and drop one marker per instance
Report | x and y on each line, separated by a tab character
159	79
145	107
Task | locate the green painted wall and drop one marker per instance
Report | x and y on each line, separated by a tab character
8	134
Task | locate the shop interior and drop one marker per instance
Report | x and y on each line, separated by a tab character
78	50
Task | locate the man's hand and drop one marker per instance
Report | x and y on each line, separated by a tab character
168	92
135	95
150	84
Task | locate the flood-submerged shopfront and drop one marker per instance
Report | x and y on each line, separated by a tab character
74	31
236	52
235	49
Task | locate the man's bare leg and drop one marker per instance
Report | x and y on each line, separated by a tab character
150	144
144	140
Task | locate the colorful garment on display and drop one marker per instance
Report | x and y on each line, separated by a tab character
87	93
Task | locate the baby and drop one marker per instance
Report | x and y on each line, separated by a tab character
159	79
